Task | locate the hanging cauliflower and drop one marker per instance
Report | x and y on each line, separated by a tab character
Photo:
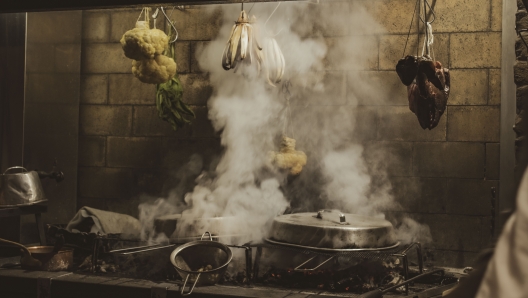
144	43
288	157
154	71
145	46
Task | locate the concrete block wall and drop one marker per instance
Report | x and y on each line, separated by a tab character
124	148
441	177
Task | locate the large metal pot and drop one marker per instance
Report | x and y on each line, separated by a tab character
201	262
17	189
332	230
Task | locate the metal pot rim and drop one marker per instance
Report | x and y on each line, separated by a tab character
179	249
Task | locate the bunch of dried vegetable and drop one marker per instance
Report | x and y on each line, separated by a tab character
169	97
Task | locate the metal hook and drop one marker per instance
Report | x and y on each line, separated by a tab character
431	10
172	24
154	16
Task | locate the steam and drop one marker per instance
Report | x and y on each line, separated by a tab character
251	116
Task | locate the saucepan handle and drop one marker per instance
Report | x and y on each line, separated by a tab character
182	292
210	236
298	268
13	168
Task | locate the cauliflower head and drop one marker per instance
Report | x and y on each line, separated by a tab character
144	43
288	157
154	71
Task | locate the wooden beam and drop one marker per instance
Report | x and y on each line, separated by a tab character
9	6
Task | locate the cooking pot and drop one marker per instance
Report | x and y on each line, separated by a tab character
332	230
17	189
201	262
51	260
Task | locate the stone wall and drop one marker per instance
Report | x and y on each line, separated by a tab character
521	80
441	177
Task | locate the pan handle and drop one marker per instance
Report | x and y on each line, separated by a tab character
298	268
210	236
13	168
185	283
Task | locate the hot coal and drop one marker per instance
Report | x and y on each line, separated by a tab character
365	276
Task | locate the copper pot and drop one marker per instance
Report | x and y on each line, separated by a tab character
61	260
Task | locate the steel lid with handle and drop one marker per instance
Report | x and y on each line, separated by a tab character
21	188
332	230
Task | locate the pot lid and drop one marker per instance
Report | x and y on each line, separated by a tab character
332	229
327	218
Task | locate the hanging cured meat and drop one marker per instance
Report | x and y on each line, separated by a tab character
428	86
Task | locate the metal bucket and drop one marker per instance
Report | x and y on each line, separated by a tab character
201	262
18	189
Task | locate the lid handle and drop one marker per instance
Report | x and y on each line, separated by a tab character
342	218
13	168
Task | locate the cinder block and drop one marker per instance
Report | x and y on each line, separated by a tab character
96	182
94	89
449	159
461	16
104	58
422	195
105	120
469	196
494	87
177	152
196	88
393	15
92	151
391	49
468	87
133	152
48	119
358	52
183	59
96	26
486	237
398	123
473	123
122	20
522	97
41	151
475	50
330	89
68	58
201	127
492	161
496	15
375	88
54	27
147	123
197	48
40	58
52	88
392	158
128	205
520	73
199	23
127	89
366	123
332	16
454	232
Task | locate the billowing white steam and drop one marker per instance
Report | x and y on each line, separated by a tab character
249	114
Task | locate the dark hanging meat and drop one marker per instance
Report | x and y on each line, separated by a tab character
407	68
429	91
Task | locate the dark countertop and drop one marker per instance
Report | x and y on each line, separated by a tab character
42	284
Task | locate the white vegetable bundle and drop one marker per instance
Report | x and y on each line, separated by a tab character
274	63
145	46
240	43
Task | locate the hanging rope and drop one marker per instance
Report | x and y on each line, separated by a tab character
410	27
